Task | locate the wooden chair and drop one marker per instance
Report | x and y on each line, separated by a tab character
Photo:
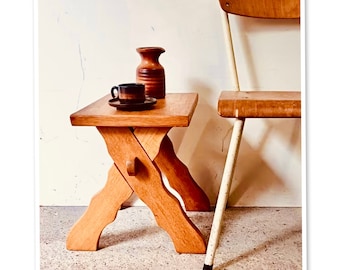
248	104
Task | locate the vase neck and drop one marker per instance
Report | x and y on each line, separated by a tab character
150	54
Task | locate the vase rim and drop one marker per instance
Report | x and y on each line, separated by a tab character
142	49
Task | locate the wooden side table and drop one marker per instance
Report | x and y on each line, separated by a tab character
137	142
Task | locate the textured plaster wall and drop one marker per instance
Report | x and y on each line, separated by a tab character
87	46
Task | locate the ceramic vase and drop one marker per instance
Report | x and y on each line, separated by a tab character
150	72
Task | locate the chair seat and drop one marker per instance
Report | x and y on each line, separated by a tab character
260	104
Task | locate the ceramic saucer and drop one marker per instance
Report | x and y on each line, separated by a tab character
146	105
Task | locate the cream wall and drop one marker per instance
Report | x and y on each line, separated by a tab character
87	46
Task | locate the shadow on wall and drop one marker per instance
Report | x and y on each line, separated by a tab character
267	163
270	152
204	144
270	155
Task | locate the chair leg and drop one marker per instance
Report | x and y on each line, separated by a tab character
222	198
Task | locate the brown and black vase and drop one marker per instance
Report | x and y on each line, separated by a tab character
150	72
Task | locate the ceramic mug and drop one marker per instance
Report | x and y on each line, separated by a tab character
129	93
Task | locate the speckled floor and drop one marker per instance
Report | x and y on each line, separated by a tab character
252	238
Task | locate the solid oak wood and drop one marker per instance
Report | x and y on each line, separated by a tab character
151	138
102	210
140	148
260	104
149	187
180	178
279	9
178	114
176	172
132	166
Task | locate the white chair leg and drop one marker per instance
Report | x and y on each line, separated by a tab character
223	195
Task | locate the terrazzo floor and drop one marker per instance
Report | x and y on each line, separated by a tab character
251	238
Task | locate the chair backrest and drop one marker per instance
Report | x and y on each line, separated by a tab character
274	9
266	9
255	104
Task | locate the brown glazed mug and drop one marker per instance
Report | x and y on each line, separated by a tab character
128	93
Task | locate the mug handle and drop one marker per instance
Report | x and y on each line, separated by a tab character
114	97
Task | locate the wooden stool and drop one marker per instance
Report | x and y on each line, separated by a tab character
137	142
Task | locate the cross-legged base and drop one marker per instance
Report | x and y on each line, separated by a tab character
139	156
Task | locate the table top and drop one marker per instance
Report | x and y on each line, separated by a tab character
175	110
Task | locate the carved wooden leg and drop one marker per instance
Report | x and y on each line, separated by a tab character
103	208
147	183
176	172
180	179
